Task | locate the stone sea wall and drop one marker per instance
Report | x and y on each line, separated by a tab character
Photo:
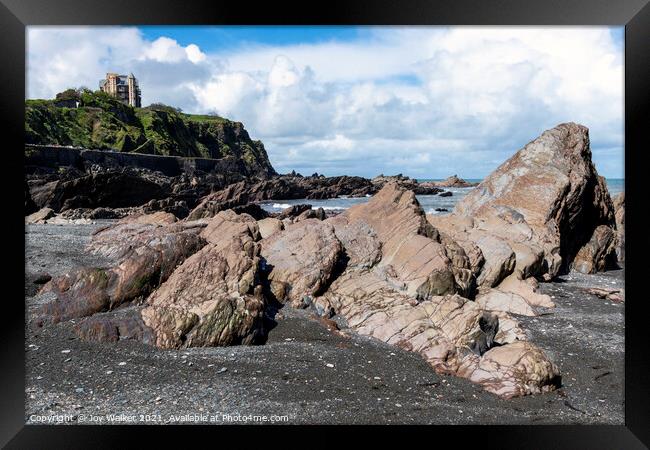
58	156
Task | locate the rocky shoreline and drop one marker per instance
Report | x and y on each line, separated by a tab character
194	268
288	375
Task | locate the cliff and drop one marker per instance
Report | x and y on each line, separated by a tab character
102	122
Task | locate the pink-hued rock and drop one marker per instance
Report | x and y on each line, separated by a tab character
40	216
214	298
543	211
597	254
401	282
302	259
413	257
269	226
145	254
552	187
512	370
498	301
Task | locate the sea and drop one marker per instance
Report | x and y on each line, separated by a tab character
432	204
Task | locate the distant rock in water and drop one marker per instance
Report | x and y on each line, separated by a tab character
285	187
454	181
426	188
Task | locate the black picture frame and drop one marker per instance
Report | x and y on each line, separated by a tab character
15	15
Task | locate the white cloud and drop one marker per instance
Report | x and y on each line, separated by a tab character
424	101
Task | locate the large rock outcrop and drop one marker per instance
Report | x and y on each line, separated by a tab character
285	187
398	279
548	193
203	278
215	297
541	213
445	287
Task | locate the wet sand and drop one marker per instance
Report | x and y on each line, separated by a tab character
305	373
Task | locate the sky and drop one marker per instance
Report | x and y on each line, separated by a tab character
427	102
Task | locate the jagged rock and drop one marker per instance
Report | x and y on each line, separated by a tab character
157	218
112	189
302	259
454	181
293	211
412	255
552	186
231	196
599	253
535	216
526	289
445	194
214	298
426	188
169	205
146	253
40	216
619	207
399	282
269	226
499	259
252	209
103	213
312	214
113	326
281	187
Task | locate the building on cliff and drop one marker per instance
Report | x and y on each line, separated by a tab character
123	87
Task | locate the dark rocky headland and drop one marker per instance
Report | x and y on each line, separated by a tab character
381	313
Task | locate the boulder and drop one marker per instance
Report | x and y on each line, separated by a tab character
293	211
269	226
40	216
301	259
426	188
413	257
551	186
214	297
512	370
454	181
498	301
145	254
599	253
312	214
619	207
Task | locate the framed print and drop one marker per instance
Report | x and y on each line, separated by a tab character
409	215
